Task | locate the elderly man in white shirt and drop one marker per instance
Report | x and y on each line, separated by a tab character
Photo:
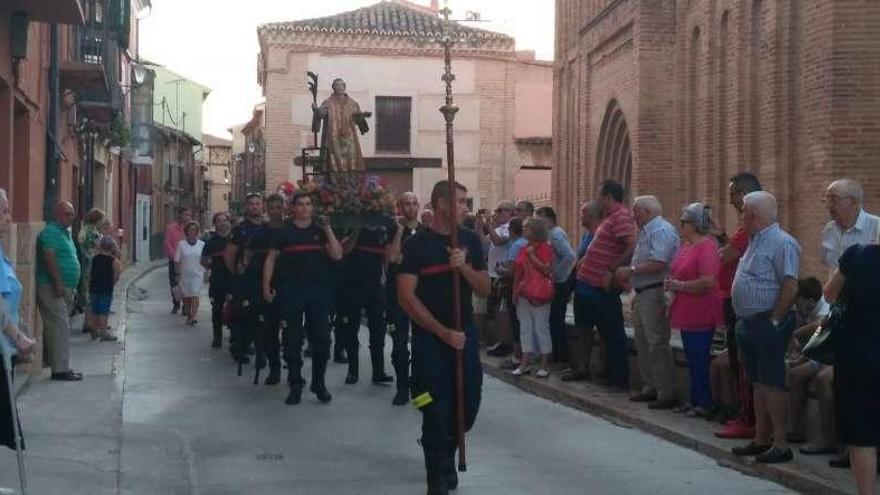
499	237
849	225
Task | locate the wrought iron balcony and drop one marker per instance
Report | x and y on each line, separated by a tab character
90	70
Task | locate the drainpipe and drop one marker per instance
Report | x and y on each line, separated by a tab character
50	197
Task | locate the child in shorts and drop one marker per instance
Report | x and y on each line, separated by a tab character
105	272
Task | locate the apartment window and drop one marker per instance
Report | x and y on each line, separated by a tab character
392	124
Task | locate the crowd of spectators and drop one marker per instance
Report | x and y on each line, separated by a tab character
737	301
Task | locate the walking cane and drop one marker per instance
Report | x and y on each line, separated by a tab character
8	352
449	110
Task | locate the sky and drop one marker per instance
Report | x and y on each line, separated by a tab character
214	42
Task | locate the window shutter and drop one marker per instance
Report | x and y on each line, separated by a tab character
393	124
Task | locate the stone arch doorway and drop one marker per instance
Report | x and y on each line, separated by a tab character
613	152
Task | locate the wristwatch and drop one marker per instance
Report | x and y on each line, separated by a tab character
633	269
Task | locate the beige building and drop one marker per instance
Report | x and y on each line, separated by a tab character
218	179
504	122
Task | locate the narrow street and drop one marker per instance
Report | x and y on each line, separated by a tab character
189	426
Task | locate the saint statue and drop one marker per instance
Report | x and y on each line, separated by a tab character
340	114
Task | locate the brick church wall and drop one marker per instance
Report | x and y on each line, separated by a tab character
785	89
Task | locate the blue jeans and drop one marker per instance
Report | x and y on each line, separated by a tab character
697	349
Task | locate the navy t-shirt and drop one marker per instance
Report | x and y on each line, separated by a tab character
220	280
302	256
241	236
364	264
394	268
426	255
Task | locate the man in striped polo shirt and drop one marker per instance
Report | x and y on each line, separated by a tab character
599	303
58	274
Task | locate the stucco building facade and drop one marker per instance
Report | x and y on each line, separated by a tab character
218	178
502	95
673	97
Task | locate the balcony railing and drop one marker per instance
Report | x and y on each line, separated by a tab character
90	70
87	45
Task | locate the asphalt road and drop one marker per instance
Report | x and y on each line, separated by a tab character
189	425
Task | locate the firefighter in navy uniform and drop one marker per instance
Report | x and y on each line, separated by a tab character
264	314
424	288
220	281
246	283
299	262
361	290
397	320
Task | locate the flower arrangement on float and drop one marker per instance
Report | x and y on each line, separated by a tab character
364	202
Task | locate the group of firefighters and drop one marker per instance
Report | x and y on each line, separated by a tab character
281	277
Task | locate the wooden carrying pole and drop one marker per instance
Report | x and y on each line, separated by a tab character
449	110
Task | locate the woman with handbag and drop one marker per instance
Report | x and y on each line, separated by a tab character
856	342
532	293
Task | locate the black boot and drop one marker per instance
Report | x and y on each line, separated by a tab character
318	388
378	361
353	369
339	355
274	377
400	398
448	467
437	484
295	395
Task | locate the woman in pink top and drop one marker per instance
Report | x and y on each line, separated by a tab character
696	307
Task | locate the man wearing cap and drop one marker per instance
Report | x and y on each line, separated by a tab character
655	249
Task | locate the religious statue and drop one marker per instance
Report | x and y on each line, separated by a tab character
340	114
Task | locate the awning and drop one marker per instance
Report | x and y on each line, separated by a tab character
52	11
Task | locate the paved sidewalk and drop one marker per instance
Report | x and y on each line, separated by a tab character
72	429
807	474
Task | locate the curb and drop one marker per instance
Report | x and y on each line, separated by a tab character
121	294
23	380
591	403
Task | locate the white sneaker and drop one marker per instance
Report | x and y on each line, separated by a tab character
522	370
542	373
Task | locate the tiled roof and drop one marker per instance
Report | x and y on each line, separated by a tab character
211	140
386	18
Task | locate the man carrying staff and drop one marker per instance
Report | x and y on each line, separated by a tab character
397	319
301	251
246	284
424	287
